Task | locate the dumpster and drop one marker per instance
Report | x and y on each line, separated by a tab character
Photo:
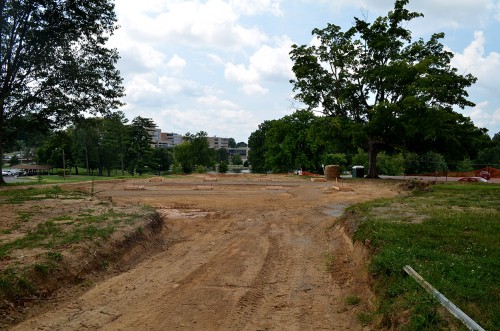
358	172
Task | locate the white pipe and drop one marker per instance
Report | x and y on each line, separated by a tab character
454	310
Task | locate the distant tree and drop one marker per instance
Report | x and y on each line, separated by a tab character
162	159
194	152
241	144
390	88
339	159
289	144
223	167
55	65
231	143
390	165
246	164
222	155
427	163
139	151
14	160
490	155
183	157
360	159
465	165
236	159
116	137
257	144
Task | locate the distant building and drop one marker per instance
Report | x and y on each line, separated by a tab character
164	139
170	139
242	151
218	143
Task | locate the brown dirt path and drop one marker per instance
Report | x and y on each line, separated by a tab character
246	253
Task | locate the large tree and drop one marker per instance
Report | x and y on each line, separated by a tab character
391	88
55	65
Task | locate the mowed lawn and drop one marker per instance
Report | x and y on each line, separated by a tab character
450	236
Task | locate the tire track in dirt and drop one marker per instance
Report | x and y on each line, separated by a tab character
248	303
253	262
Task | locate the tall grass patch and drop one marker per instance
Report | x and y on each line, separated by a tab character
451	236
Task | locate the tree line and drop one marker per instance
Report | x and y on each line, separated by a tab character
384	89
305	141
110	145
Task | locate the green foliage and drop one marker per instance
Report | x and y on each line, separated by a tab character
352	300
236	160
223	168
297	141
427	163
390	165
201	169
14	160
339	159
456	250
222	155
387	86
465	165
163	159
490	156
139	151
360	159
194	152
50	78
231	143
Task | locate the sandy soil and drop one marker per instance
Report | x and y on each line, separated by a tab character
243	253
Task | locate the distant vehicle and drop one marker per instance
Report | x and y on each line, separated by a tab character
4	173
485	174
473	179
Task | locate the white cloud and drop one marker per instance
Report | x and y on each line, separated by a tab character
254	89
484	66
176	63
141	87
257	6
214	121
266	64
213	101
195	23
482	116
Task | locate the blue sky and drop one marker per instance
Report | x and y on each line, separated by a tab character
222	66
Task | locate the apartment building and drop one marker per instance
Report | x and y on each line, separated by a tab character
164	139
218	142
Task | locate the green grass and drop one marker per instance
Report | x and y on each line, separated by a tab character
451	237
35	194
352	300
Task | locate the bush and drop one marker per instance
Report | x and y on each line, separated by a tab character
390	165
201	169
223	167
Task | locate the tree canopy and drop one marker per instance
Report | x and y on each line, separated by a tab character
55	65
395	91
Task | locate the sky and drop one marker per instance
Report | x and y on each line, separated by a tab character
223	66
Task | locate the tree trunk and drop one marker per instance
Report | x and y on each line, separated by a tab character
372	159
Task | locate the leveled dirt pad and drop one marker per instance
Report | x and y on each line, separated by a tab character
244	253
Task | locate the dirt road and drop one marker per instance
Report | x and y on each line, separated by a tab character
241	253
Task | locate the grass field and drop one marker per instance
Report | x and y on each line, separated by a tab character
451	236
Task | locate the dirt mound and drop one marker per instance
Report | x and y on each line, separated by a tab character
416	185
